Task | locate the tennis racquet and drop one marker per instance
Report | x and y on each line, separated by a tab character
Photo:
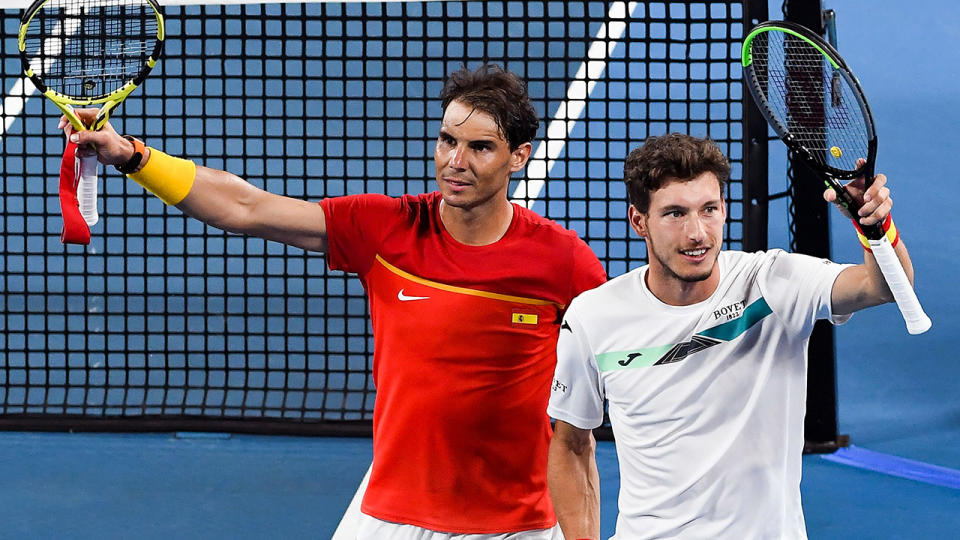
815	104
87	52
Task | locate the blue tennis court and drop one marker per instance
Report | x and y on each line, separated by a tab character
898	396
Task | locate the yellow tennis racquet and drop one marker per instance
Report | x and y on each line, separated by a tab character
87	52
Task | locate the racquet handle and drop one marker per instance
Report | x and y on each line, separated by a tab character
917	321
87	190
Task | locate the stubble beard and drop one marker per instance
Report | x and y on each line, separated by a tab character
690	278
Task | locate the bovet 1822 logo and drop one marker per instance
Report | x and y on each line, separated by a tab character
728	313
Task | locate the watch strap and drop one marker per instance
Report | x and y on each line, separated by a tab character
139	149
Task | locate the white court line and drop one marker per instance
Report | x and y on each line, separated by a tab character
14	101
542	162
549	149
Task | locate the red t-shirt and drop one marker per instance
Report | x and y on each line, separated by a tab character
464	354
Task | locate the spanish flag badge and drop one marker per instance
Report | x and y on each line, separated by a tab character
523	320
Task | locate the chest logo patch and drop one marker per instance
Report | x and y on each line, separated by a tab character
524	318
743	318
404	298
731	312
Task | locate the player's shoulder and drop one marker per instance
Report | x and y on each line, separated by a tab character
385	211
412	208
734	262
420	202
530	222
779	268
774	258
362	201
620	288
421	199
734	257
544	239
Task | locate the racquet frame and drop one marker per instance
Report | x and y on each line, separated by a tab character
913	314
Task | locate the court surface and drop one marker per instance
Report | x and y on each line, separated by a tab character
898	394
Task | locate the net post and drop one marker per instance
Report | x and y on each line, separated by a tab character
812	237
755	152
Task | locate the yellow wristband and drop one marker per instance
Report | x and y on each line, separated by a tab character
167	177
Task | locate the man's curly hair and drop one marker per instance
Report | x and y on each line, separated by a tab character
674	156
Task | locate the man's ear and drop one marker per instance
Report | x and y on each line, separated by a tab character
519	157
637	220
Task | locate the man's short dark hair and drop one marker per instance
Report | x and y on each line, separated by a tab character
499	93
674	156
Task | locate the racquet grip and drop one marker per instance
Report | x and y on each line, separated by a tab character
87	190
917	321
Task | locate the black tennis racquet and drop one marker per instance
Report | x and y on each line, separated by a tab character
813	101
86	52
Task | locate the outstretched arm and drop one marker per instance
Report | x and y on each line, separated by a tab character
574	481
862	286
217	198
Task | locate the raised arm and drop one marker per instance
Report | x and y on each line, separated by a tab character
217	198
574	481
862	286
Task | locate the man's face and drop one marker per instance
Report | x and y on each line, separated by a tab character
683	228
474	161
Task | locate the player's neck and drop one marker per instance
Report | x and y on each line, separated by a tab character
672	290
478	226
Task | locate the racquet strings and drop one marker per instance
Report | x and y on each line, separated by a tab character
90	48
814	103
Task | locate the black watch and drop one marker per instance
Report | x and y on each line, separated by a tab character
139	149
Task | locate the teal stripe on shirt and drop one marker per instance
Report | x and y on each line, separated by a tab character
728	331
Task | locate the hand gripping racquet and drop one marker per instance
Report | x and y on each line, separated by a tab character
815	104
86	52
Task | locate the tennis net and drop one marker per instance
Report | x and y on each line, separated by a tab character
162	323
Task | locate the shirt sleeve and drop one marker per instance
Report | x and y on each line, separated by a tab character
799	288
576	396
355	229
588	273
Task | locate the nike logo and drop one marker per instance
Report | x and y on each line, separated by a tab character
404	298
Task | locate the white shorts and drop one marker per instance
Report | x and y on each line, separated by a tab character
371	528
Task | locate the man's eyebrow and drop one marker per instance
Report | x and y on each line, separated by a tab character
674	207
482	140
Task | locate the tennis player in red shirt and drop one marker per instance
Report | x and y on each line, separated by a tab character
466	294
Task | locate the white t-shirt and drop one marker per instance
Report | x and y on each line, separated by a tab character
706	401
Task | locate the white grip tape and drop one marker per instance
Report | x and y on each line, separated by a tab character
917	321
87	190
